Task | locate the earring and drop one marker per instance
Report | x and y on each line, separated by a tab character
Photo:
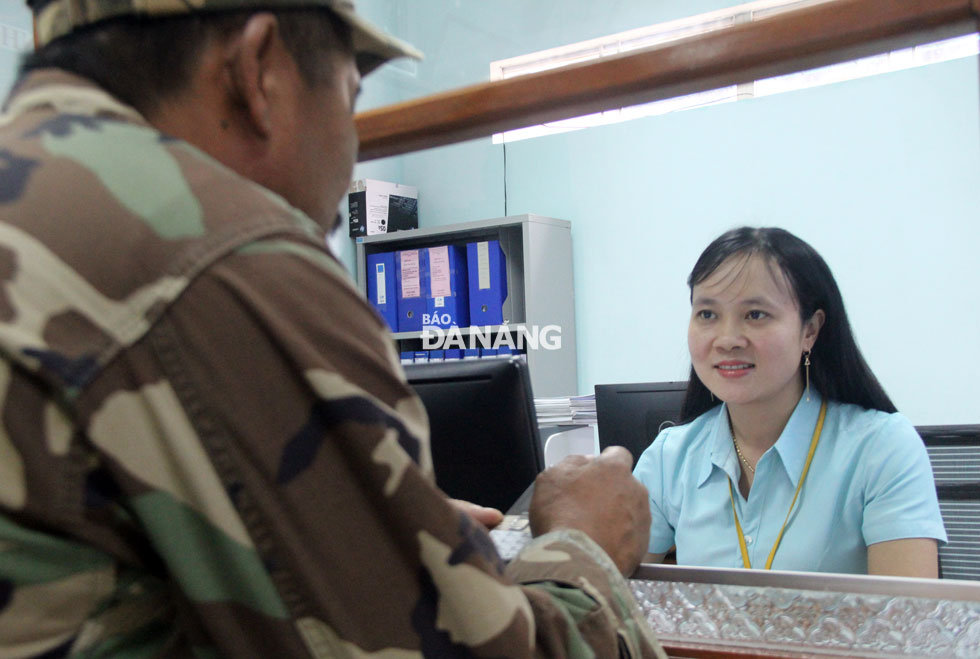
806	365
712	396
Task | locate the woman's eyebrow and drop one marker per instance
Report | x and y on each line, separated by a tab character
708	301
761	301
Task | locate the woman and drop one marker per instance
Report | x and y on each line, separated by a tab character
792	457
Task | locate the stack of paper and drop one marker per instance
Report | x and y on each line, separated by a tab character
583	409
553	411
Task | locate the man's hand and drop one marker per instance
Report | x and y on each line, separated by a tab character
600	496
488	517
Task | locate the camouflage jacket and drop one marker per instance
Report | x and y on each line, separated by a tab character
207	446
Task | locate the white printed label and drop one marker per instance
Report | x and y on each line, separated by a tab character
411	287
382	289
440	302
439	271
483	264
377	214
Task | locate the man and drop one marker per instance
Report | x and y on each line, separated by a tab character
207	447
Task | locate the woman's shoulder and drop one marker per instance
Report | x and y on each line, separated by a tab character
872	425
677	449
681	439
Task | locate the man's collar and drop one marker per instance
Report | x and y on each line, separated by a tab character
65	93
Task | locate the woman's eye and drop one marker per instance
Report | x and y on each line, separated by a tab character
704	314
755	314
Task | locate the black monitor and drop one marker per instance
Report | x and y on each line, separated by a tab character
484	432
632	415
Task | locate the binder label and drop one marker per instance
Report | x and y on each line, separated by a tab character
440	302
483	264
439	272
411	287
381	285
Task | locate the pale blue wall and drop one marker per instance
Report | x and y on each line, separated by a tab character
880	175
15	38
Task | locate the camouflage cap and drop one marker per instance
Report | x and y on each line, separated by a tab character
56	18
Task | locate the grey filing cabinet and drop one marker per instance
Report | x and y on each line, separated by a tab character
540	287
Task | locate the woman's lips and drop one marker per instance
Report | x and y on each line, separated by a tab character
734	369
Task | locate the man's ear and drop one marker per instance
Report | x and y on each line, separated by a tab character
811	328
252	59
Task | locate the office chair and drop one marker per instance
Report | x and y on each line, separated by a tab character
954	452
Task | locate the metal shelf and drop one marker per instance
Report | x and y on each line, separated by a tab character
540	286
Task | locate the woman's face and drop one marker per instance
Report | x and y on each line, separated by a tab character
746	337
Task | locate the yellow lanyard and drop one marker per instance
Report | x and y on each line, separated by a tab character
799	486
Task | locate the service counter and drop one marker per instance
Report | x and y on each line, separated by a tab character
714	613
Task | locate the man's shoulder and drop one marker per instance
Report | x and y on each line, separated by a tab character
109	174
72	150
105	223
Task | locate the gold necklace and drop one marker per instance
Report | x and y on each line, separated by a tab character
742	546
742	457
738	450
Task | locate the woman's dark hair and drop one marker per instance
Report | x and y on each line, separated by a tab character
837	369
143	61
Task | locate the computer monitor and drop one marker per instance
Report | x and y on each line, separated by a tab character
632	415
484	432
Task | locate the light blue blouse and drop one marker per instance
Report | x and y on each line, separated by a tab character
870	481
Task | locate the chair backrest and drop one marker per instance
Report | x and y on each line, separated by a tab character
954	452
484	433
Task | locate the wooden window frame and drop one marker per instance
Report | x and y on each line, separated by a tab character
794	41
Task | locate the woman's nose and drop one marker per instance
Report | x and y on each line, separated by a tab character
730	336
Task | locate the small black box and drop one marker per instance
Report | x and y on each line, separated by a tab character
380	207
